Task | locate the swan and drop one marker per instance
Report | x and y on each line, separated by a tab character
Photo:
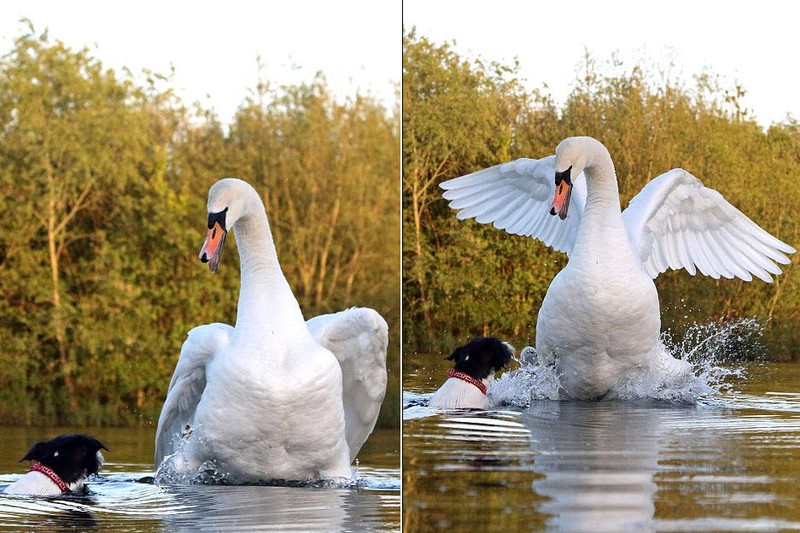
274	397
600	321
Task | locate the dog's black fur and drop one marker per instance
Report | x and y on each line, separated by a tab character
481	357
72	457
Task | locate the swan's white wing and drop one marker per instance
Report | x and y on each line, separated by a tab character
676	222
358	337
516	197
188	383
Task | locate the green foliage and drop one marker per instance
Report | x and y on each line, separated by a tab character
463	279
457	117
104	188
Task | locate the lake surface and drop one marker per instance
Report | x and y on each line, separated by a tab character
728	462
119	503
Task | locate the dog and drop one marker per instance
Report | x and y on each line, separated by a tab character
60	466
476	363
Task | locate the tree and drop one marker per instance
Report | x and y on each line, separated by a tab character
72	138
457	117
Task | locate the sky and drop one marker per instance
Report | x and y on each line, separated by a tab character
213	46
755	44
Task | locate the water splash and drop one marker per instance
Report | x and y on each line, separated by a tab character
703	363
171	473
733	340
175	469
535	379
413	399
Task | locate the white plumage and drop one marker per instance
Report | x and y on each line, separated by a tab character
676	222
271	398
358	339
600	318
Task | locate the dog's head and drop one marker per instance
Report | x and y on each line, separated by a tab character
482	356
72	457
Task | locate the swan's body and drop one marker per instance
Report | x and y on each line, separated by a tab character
600	318
264	400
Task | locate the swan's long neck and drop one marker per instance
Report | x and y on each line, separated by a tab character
602	191
602	224
266	302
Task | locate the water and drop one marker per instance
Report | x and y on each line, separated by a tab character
729	461
119	503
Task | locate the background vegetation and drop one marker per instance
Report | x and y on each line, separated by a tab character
463	279
103	188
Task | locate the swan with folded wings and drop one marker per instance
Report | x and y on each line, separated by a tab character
274	397
600	320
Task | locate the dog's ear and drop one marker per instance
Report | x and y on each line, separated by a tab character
40	450
92	443
457	355
86	454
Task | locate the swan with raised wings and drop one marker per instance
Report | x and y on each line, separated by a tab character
275	397
600	320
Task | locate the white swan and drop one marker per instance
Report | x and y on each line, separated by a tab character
273	397
600	319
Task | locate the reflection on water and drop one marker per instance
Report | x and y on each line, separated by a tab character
598	461
119	503
730	463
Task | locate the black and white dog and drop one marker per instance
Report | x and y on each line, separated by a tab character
60	466
476	363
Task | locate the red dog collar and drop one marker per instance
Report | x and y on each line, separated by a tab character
466	377
55	478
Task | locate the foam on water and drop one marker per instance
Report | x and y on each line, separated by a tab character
708	356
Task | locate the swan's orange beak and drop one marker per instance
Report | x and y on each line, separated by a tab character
563	193
211	252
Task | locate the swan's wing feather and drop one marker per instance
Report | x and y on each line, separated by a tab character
187	384
516	197
358	337
676	222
